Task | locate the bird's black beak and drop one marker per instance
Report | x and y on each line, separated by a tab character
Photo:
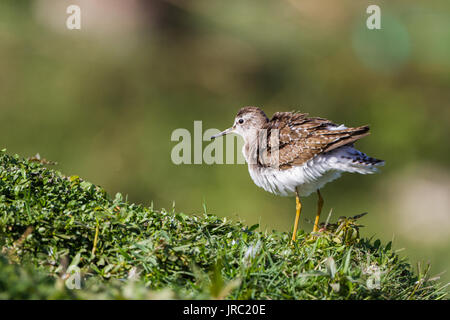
229	130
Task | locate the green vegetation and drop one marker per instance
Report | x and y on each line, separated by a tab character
103	101
51	223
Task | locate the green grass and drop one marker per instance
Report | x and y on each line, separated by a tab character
50	224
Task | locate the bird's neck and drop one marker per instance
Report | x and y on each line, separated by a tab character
251	142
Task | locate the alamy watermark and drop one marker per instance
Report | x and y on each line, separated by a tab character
374	20
374	277
72	278
73	21
200	148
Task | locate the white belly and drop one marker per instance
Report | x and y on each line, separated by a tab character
313	174
306	178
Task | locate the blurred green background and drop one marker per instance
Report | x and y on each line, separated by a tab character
103	101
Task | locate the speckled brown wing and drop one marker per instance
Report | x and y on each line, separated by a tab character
301	138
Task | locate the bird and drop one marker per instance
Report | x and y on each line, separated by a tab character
292	154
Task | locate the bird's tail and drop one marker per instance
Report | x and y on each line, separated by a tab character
350	159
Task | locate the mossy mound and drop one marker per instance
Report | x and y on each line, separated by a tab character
55	229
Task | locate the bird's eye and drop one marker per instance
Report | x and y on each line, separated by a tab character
241	121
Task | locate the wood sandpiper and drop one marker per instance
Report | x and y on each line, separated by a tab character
292	154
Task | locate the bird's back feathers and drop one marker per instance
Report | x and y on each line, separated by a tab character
301	138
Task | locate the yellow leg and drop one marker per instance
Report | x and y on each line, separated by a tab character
298	208
319	210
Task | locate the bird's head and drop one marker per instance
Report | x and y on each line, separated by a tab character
247	121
